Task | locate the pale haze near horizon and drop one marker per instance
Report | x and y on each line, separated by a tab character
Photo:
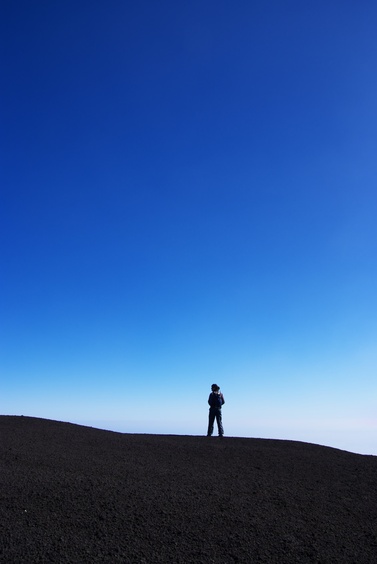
189	197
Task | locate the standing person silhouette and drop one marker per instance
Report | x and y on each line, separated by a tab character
215	401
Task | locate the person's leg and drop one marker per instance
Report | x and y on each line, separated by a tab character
219	422
211	420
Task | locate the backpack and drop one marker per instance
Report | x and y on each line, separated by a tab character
216	400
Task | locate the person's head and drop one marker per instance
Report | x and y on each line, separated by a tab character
215	388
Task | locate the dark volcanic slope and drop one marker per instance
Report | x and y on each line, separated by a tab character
77	494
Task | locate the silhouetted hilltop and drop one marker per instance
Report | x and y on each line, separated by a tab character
73	494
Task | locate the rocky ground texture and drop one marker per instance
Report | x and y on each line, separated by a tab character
73	494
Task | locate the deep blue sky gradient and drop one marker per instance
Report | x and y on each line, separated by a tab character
189	196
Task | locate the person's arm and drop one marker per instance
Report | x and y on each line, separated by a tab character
222	397
209	399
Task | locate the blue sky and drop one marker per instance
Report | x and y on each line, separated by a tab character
189	196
